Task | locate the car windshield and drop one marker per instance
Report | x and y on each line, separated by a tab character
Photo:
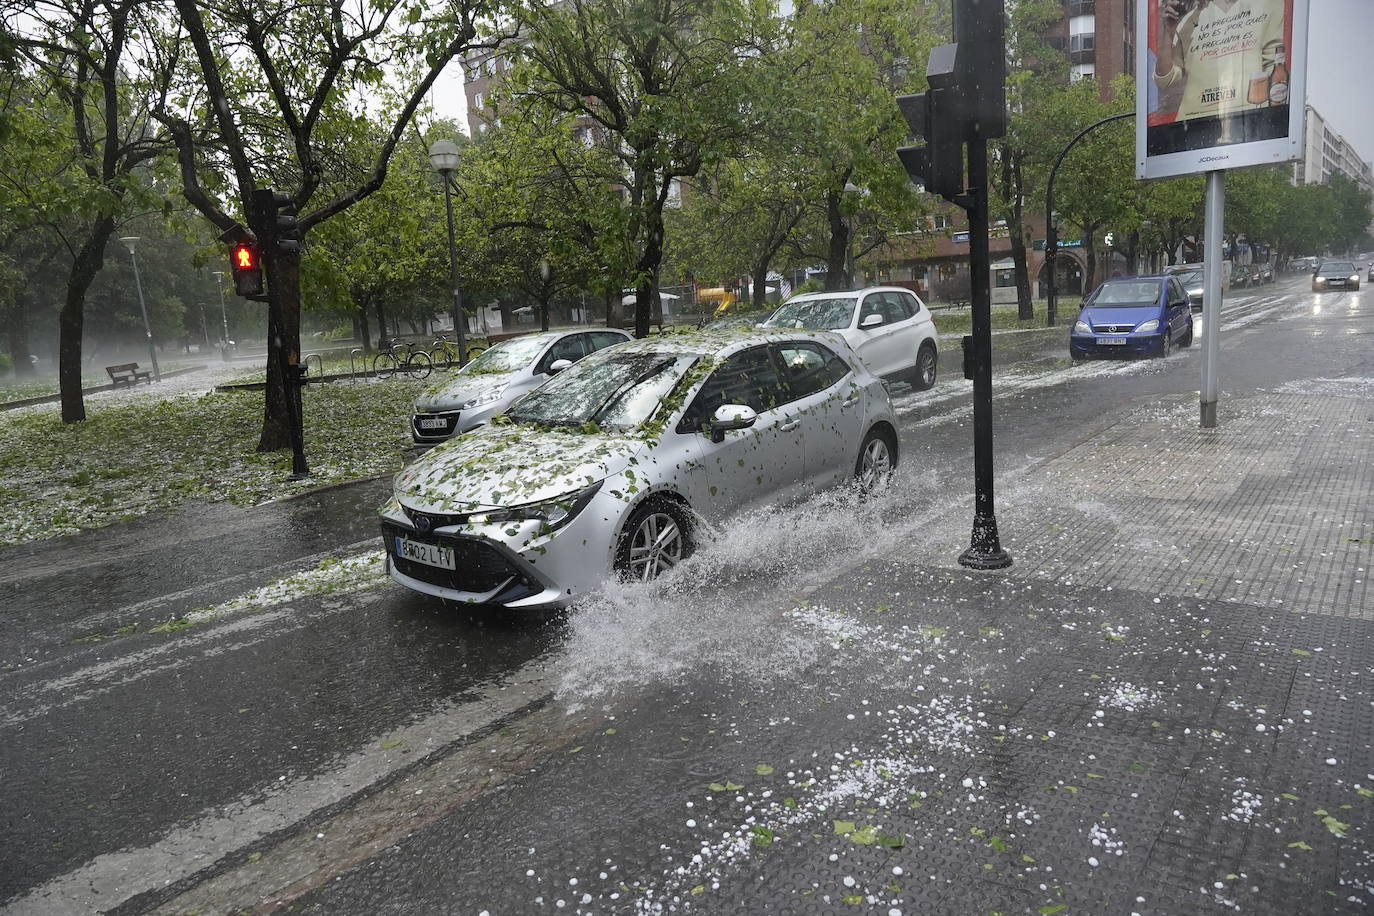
616	391
829	314
506	356
1189	277
744	320
1337	268
1130	292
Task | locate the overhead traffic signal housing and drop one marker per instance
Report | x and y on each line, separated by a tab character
938	163
246	266
277	216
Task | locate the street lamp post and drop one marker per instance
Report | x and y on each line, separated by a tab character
223	315
443	157
129	242
1051	235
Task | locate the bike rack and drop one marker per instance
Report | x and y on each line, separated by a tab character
356	356
319	365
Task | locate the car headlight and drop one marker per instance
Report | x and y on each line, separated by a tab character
1320	281
1081	327
1148	326
488	396
1354	278
554	513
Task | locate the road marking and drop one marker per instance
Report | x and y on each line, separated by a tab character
113	878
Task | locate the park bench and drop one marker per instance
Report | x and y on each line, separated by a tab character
128	374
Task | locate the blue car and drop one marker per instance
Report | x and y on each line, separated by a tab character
1133	316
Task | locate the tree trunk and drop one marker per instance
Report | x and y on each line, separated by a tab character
285	280
1090	275
543	314
837	257
71	321
610	308
363	331
649	263
760	282
1025	307
381	321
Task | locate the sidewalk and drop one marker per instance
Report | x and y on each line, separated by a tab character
1162	708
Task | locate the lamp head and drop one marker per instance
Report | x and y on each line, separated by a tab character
443	156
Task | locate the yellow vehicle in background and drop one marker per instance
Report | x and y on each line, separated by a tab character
719	300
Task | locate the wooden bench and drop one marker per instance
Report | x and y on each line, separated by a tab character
128	374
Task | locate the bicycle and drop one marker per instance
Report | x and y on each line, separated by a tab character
442	353
403	358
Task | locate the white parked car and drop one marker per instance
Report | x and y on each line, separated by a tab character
887	326
606	468
500	376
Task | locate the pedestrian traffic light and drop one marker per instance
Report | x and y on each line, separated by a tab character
277	215
245	264
938	163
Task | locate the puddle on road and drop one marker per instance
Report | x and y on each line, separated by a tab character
719	611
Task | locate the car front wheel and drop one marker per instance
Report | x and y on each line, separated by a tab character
656	538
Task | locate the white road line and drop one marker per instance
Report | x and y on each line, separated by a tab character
115	877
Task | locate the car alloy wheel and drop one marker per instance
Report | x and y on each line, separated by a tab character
876	462
655	541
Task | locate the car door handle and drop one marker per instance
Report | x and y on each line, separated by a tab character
789	426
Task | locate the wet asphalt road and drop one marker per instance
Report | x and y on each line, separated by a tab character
113	738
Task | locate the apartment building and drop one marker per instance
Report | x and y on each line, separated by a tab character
1326	153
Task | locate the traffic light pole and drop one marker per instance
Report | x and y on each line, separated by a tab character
985	548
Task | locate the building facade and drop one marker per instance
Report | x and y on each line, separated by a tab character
1326	153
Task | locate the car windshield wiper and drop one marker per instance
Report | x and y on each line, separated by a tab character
633	383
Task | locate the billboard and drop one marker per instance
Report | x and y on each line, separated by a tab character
1220	84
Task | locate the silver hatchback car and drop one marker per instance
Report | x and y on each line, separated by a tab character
608	467
499	377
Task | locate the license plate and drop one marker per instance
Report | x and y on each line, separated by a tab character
428	554
433	423
1111	341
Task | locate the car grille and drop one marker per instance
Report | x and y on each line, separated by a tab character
480	566
1113	328
450	423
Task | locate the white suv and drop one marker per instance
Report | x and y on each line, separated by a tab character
887	326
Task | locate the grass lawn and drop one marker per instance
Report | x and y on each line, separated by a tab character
19	390
960	320
137	456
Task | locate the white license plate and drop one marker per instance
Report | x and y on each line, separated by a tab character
428	554
433	423
1111	341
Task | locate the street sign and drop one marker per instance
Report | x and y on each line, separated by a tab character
1219	86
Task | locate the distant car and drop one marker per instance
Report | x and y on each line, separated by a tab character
605	470
1266	272
1240	275
1336	275
501	375
1193	279
1133	316
888	327
1370	277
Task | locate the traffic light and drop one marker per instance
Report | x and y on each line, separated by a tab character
277	214
246	266
938	164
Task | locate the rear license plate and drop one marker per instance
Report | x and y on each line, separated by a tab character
433	423
428	554
1111	341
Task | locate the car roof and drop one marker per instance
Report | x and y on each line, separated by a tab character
1158	278
832	293
724	341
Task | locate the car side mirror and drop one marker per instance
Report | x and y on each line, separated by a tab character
731	416
870	321
558	366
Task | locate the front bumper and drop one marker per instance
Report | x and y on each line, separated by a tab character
454	421
1086	345
510	565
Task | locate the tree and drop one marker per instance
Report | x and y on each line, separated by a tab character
274	113
1034	68
660	82
81	138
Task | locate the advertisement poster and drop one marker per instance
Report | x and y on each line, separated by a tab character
1219	83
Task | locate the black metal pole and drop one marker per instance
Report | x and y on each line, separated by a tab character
985	549
1051	235
459	322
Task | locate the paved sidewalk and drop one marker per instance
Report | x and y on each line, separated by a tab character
1164	707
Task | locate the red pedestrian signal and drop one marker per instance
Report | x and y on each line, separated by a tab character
243	260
